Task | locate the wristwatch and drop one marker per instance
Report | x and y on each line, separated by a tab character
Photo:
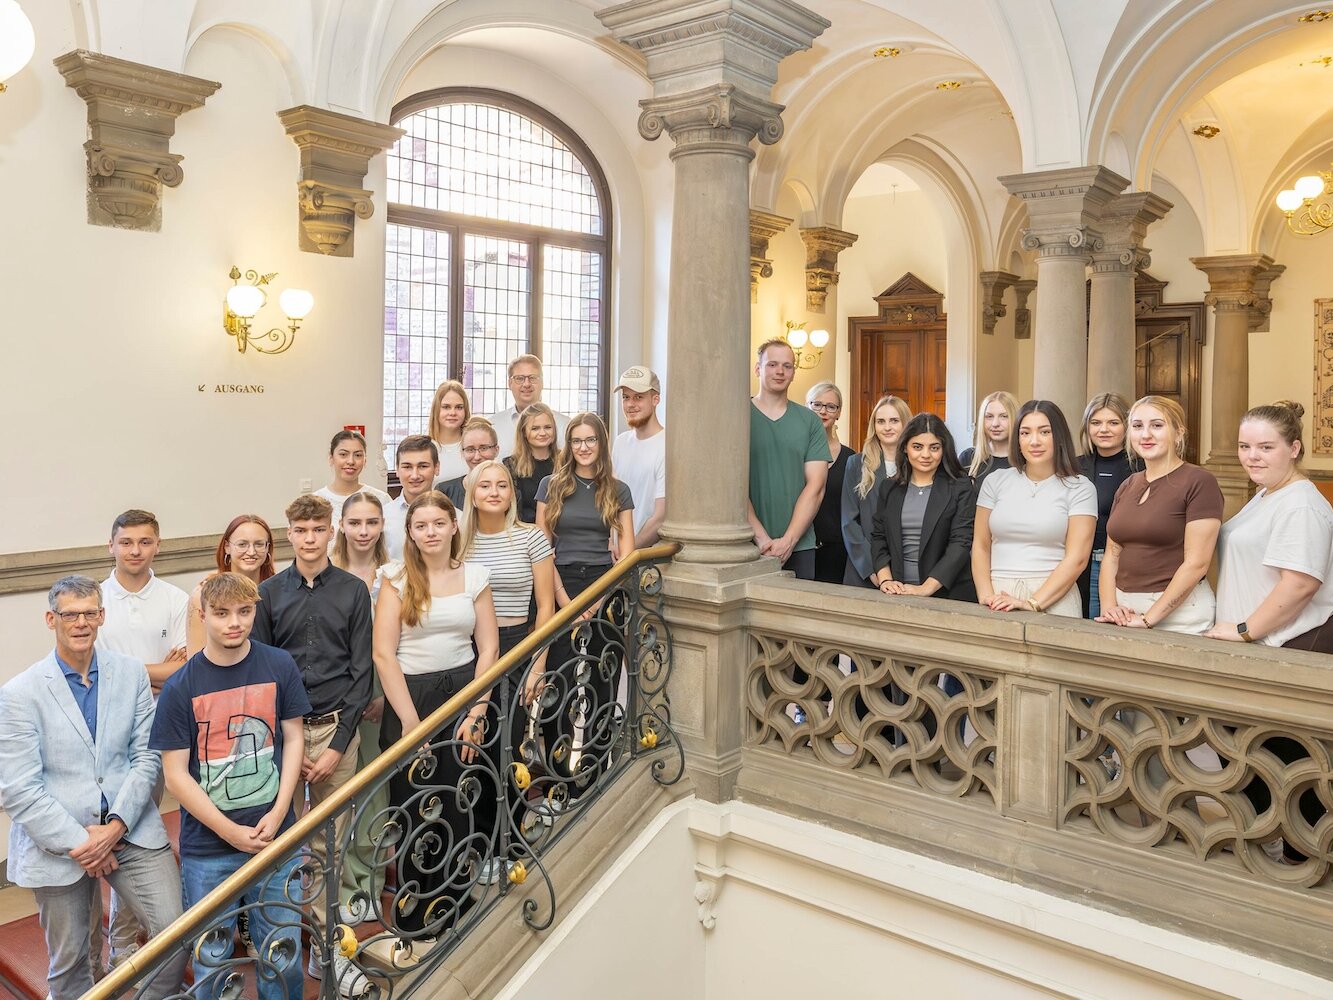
1243	631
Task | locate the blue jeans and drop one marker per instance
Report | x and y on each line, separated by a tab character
1094	574
270	925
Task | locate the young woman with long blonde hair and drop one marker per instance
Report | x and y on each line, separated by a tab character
432	608
990	440
533	458
866	470
825	399
450	410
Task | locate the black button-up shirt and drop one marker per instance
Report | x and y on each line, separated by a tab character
327	630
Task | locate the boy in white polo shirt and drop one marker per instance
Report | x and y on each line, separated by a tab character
145	619
639	455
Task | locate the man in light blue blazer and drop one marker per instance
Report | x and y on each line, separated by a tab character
76	778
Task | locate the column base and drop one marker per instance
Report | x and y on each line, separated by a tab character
1237	488
712	544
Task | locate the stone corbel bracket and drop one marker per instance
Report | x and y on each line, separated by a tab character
336	150
1022	314
822	246
993	286
132	112
763	227
1263	305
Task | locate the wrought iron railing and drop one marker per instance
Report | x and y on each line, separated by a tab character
458	835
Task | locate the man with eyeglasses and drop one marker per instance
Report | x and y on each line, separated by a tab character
77	779
479	444
321	615
525	385
145	619
789	459
418	464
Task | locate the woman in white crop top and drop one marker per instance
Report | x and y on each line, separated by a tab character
432	607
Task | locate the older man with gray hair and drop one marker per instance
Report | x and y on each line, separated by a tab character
76	778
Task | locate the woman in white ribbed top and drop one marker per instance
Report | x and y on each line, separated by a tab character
432	607
1035	520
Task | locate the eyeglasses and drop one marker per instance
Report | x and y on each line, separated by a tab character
583	442
72	617
525	379
826	407
249	546
471	451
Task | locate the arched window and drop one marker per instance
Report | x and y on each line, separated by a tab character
497	245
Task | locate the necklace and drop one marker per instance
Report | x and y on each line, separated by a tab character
587	484
1036	484
922	490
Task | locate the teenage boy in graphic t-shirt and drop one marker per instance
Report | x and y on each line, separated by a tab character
789	460
223	723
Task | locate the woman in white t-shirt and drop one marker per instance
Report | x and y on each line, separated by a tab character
432	607
450	410
347	460
1275	576
1035	520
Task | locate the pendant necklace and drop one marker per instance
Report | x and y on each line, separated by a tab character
587	484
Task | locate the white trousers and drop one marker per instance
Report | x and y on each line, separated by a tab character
1195	614
1070	604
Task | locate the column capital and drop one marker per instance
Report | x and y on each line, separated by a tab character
336	150
718	114
1064	208
1240	283
763	227
822	246
993	286
132	112
1124	226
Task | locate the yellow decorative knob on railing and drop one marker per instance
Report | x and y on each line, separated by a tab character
649	739
522	776
347	943
518	873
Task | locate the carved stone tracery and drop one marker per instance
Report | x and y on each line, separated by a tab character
336	150
132	112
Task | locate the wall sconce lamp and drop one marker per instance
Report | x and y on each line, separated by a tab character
17	42
808	347
245	300
1300	198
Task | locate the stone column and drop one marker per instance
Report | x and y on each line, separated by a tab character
1237	291
713	65
1064	208
822	246
763	227
1111	348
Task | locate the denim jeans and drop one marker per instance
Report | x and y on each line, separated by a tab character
147	882
271	923
1095	574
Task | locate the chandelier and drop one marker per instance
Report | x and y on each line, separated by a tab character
1306	214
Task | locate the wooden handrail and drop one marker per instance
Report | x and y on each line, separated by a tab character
187	925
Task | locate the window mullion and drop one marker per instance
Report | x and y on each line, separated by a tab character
536	258
456	303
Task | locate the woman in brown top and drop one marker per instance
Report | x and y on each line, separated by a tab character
1162	530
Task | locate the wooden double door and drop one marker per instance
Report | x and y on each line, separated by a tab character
902	351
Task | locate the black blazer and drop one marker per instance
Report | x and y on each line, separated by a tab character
946	535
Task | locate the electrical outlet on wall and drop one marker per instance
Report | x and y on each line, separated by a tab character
306	486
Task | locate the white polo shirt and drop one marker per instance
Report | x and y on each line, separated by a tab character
505	423
146	625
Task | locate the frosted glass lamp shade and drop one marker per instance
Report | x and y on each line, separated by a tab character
296	303
819	338
1288	201
17	41
797	337
1310	187
245	300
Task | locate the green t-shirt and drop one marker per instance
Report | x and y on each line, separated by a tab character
779	450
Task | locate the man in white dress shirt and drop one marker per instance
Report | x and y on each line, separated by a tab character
639	455
525	385
418	462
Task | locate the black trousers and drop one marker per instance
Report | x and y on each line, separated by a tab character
505	718
578	686
434	859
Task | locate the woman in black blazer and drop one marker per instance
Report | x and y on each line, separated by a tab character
921	539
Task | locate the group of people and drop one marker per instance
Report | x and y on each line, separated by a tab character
1118	528
265	690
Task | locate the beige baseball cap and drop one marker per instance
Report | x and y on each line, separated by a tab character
638	379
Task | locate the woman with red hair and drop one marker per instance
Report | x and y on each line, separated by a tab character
246	547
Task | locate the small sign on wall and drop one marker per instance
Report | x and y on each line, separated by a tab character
1323	377
359	428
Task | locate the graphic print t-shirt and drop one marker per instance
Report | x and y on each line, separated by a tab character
230	719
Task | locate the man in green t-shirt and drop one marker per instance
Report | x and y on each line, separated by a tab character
789	460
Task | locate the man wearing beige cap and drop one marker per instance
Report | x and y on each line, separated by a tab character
639	455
